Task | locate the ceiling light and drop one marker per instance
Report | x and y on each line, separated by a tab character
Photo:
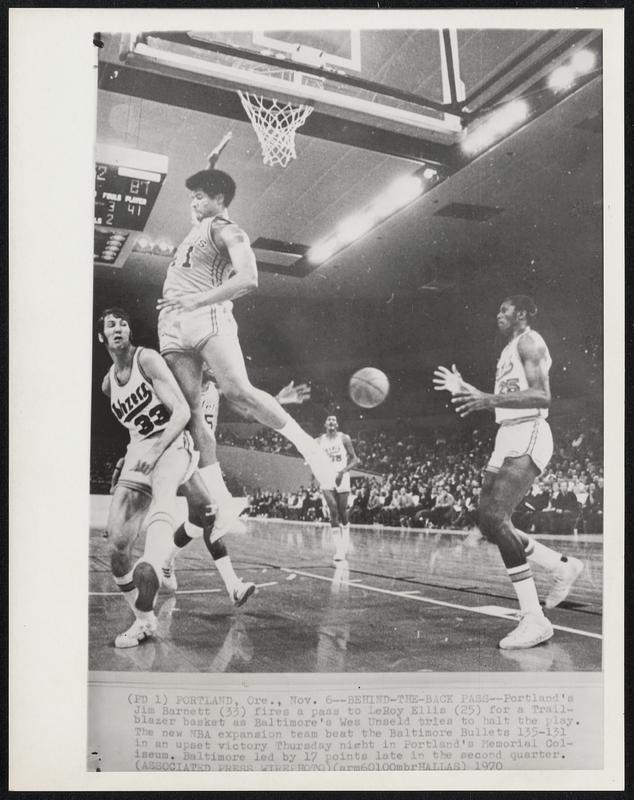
321	252
561	78
429	173
583	61
354	227
402	192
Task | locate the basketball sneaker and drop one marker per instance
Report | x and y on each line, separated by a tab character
137	632
533	629
241	593
563	577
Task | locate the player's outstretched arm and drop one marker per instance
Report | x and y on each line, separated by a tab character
292	394
534	357
171	396
446	380
243	280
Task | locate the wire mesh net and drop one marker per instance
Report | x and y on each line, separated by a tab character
275	124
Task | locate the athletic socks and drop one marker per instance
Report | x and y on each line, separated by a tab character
345	537
525	589
317	460
128	589
227	573
213	480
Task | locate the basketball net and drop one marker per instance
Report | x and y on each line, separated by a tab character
275	124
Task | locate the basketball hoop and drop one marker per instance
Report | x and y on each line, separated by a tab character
275	123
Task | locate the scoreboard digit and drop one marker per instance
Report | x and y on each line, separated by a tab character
127	183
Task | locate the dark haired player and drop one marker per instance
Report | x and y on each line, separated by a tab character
338	447
523	448
213	266
160	458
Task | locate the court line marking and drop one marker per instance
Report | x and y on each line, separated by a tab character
180	591
408	596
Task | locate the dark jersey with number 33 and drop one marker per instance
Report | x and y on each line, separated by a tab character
135	403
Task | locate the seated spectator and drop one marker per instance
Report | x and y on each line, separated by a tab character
592	512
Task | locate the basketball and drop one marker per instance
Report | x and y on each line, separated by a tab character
369	387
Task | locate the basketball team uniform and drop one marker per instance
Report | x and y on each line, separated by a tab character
137	407
336	451
522	431
198	266
210	401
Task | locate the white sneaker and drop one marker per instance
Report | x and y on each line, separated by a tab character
563	577
137	632
241	593
168	578
533	629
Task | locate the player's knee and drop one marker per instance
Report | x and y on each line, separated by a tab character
121	540
201	514
491	521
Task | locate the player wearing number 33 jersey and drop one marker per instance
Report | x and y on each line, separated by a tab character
135	404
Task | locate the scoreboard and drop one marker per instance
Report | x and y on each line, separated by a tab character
127	183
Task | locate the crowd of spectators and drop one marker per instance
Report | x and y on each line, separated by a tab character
431	478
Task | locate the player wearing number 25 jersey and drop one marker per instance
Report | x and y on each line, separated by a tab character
523	447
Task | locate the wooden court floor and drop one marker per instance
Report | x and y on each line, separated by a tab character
405	601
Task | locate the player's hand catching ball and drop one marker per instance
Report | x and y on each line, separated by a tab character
448	380
293	394
181	302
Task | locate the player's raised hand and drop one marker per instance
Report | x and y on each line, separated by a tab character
213	157
293	394
448	380
181	302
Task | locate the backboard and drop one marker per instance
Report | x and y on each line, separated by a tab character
404	81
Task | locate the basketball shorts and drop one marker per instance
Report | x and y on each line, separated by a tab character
344	486
171	460
180	331
528	437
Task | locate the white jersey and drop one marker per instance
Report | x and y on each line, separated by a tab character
135	403
210	400
510	376
335	449
198	264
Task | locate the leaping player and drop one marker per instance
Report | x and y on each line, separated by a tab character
160	458
213	266
523	448
338	447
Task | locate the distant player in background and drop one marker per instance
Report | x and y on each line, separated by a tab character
523	448
338	447
213	266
